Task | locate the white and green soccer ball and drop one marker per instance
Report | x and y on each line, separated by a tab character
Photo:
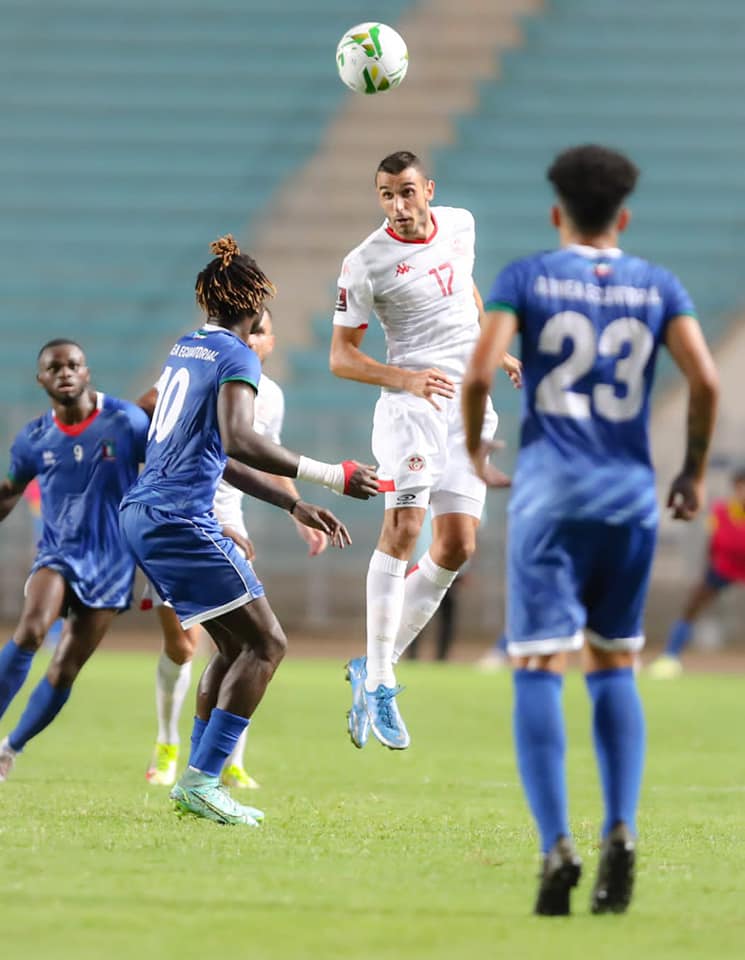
372	57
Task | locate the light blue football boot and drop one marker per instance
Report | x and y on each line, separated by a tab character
205	797
386	721
358	722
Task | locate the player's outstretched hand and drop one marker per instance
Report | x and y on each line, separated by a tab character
316	539
491	476
514	370
360	480
321	519
430	384
686	496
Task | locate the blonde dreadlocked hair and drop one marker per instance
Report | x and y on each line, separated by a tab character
232	284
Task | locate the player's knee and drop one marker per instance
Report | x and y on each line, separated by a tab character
30	633
453	552
275	645
400	533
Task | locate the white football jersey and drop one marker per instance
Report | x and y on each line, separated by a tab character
269	414
420	290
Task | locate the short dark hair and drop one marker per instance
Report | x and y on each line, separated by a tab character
398	162
592	183
58	342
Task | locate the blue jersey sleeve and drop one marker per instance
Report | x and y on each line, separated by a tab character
676	299
240	363
508	290
22	468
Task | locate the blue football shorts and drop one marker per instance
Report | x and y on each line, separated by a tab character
565	576
105	584
200	572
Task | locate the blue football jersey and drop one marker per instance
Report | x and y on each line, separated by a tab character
185	457
84	470
591	322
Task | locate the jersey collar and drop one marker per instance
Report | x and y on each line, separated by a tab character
392	233
75	429
216	328
595	253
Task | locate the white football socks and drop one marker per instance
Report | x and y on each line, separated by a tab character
236	758
426	585
385	600
172	685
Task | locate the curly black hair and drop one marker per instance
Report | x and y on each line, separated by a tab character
592	183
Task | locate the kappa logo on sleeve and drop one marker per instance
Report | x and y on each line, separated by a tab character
341	300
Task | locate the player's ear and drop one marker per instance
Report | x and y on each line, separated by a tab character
624	219
556	216
429	189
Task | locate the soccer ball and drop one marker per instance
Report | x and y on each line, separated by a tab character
372	57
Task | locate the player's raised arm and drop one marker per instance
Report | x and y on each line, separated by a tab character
235	407
690	351
259	485
497	330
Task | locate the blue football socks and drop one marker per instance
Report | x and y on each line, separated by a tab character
618	728
197	732
678	638
218	739
15	663
538	722
43	706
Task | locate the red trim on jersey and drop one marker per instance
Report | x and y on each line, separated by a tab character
392	233
413	569
386	486
75	429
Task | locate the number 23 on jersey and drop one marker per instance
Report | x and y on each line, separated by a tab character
616	402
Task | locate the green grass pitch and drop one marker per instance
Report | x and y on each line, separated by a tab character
424	854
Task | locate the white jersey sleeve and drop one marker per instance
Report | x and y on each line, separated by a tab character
269	414
269	411
354	298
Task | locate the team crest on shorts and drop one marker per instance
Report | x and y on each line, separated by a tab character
415	463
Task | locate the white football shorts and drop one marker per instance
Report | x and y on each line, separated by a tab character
422	457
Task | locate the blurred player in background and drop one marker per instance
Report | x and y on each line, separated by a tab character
85	451
583	513
173	674
416	273
205	412
725	566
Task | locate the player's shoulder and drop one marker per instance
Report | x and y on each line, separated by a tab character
453	218
366	251
124	412
35	428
